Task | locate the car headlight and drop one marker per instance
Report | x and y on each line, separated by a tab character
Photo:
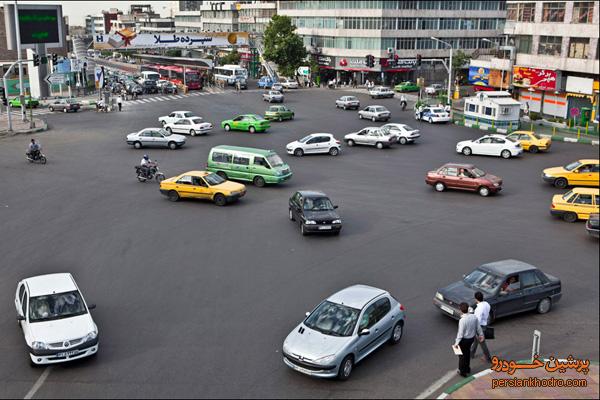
337	221
325	360
439	296
39	346
286	348
91	336
310	222
496	184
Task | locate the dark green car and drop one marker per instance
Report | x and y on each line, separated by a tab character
278	113
406	87
29	102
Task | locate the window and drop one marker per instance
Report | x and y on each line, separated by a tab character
553	12
524	44
585	199
369	318
529	279
428	23
382	307
241	160
407	24
425	43
468	23
550	45
450	5
470	5
429	5
407	5
452	171
24	305
221	157
488	111
199	181
490	5
505	111
473	107
261	161
596	168
579	47
449	23
522	12
583	12
405	43
185	180
487	24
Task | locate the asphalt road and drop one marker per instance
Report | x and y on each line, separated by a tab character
194	300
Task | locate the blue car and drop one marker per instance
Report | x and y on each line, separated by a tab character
265	82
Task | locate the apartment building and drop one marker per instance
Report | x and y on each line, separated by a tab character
186	15
233	16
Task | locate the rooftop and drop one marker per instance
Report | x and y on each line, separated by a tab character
49	284
356	296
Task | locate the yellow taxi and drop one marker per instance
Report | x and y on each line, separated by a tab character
577	173
202	185
530	141
576	204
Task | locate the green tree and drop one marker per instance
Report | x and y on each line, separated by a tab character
231	58
283	46
460	60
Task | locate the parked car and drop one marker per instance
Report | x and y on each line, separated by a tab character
490	145
375	113
155	137
314	143
342	330
278	113
248	122
273	96
406	87
593	225
176	116
247	164
371	136
578	203
584	172
193	126
55	319
381	92
433	89
463	177
403	132
530	141
509	286
314	212
29	102
204	186
133	88
432	114
64	105
265	82
289	83
347	102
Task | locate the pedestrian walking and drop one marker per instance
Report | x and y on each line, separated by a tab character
468	331
238	86
120	102
482	312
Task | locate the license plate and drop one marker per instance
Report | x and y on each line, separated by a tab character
447	309
325	228
67	353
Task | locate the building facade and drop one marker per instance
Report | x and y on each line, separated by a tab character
142	18
230	16
101	23
186	15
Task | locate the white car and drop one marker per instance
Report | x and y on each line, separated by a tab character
155	137
55	319
289	83
371	136
490	145
194	126
175	116
403	132
375	113
273	96
313	144
381	92
161	82
433	114
433	89
277	87
346	102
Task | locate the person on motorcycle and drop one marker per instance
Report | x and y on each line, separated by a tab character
403	102
145	165
33	150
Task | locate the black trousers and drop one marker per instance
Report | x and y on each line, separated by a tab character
464	361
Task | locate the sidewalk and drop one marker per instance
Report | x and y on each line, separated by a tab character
20	126
481	385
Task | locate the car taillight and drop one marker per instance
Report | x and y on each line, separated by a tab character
402	308
337	141
553	206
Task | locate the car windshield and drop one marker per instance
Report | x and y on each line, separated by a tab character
317	204
56	306
351	98
164	132
567	195
188	114
274	161
333	319
213	179
305	138
196	121
477	172
256	117
379	109
511	139
535	135
483	280
572	166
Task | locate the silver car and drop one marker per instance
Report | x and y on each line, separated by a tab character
375	113
371	136
346	102
273	96
155	137
343	330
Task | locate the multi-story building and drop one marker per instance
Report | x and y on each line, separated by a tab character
556	66
101	23
142	18
187	16
340	34
230	16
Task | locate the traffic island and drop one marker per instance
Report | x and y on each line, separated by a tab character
20	127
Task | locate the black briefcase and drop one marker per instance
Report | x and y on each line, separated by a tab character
488	333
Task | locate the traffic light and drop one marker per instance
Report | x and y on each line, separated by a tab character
370	59
418	60
367	59
36	60
44	60
54	58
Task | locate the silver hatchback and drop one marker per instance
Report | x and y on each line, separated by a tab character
343	330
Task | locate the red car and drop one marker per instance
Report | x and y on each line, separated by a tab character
463	177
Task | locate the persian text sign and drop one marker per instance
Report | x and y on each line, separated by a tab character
130	40
542	79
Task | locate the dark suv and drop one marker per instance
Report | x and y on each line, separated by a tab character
149	86
314	212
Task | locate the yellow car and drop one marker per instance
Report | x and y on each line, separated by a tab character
576	204
577	173
531	142
202	185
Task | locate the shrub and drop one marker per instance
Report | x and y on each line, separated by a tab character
534	116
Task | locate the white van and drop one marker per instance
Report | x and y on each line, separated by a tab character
148	75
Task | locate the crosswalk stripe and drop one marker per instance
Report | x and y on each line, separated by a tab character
172	97
178	96
152	99
161	98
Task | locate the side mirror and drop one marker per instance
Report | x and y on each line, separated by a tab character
575	171
20	317
364	332
307	313
91	306
335	207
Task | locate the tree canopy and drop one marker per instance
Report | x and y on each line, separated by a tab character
283	46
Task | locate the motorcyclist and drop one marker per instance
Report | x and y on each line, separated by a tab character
145	165
403	102
33	150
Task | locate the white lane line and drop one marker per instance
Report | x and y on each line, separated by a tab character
435	386
172	97
203	94
153	99
38	384
161	98
178	96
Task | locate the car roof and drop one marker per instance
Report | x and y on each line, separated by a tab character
261	152
520	132
51	283
179	112
196	173
457	165
586	190
312	193
320	134
356	296
589	161
507	267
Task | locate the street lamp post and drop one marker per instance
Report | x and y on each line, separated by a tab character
449	67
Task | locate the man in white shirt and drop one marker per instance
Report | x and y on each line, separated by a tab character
469	330
482	312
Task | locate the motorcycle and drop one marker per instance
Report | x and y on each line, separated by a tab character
149	173
36	157
403	103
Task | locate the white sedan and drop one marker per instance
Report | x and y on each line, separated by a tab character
155	137
193	126
175	116
55	319
433	89
371	136
289	83
375	113
405	133
432	115
314	143
490	145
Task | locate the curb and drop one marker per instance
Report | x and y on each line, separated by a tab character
42	128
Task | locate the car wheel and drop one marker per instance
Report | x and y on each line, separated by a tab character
280	119
258	181
569	217
169	130
484	191
403	140
430	120
360	116
439	187
163	122
544	306
334	151
379	145
192	132
561	183
298	152
533	149
346	368
137	145
505	154
397	333
373	119
173	195
220	200
344	108
291	215
227	127
51	109
467	151
252	129
350	142
222	174
65	110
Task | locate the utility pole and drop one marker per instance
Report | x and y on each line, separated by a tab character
449	69
18	34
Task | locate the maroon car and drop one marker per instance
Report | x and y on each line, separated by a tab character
463	177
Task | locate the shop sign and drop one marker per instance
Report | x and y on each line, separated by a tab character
325	61
479	76
402	63
495	79
536	78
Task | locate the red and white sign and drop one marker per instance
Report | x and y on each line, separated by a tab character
541	79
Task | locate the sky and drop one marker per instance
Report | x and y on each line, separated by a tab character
77	10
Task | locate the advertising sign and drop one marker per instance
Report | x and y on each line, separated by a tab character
541	79
63	66
495	79
325	61
99	77
126	39
479	76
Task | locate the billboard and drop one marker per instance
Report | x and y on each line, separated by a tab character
541	79
495	79
479	76
38	24
126	39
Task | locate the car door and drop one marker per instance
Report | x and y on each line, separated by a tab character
497	146
178	126
295	206
509	301
25	311
361	136
185	186
240	167
385	321
236	123
468	181
367	112
451	178
311	145
172	117
367	320
201	188
323	144
584	205
159	139
584	175
525	141
373	137
19	297
146	138
483	146
532	287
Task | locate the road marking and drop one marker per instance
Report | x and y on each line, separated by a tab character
38	384
161	98
153	99
435	386
172	97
